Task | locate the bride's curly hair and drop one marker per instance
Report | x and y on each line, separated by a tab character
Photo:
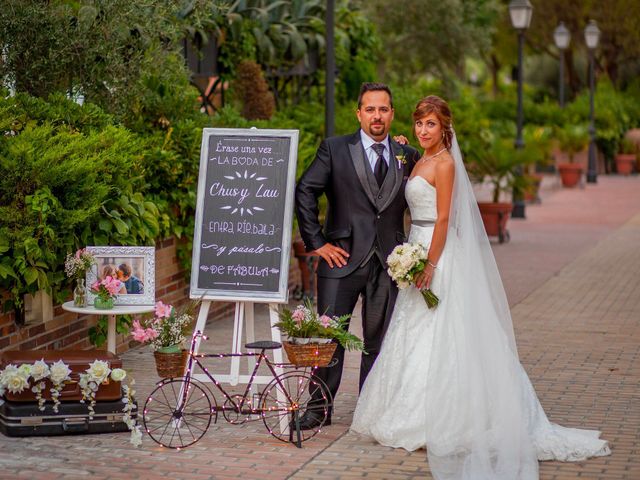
434	104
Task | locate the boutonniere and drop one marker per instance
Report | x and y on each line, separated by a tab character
402	160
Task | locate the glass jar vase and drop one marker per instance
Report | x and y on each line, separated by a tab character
80	294
103	304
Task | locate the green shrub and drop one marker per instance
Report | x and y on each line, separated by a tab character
64	187
257	100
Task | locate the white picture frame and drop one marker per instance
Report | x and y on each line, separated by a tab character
140	280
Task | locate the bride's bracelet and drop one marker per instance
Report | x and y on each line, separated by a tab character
431	264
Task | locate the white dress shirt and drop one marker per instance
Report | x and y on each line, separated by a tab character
372	156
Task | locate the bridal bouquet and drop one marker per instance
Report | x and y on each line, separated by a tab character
405	262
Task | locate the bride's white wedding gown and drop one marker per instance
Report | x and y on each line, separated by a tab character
460	393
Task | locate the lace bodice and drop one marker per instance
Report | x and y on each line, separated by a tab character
421	197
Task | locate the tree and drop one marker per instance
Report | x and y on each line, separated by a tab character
433	36
617	20
99	50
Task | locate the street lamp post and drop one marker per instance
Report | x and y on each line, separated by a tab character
591	38
561	37
520	13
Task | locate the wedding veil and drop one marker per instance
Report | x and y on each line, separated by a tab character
476	417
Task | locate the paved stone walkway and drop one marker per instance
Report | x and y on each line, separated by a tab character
572	275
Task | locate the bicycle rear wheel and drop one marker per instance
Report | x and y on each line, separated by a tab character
289	395
173	423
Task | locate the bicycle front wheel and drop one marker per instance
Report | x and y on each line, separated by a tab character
175	423
289	396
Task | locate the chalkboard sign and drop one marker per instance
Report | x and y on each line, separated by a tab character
244	212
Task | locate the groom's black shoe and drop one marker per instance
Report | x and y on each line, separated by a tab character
311	420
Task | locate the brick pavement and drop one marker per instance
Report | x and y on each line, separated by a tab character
571	272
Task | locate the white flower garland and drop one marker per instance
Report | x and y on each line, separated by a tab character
16	379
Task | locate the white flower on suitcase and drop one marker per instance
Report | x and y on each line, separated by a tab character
98	371
40	370
59	372
16	379
118	374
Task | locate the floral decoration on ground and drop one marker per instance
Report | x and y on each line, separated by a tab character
168	328
16	379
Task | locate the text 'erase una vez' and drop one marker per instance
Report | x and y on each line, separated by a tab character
243	149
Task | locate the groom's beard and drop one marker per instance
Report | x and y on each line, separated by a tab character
377	129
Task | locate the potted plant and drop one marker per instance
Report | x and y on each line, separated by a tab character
539	139
166	332
499	165
572	139
626	158
312	337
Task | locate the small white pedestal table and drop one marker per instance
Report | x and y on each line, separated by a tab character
111	313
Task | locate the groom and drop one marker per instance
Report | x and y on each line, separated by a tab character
363	176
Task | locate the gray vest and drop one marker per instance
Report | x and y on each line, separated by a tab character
380	195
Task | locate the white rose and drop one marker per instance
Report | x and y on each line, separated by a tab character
40	370
25	370
118	374
16	382
98	371
59	372
9	370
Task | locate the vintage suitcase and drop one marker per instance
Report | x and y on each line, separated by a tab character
77	360
20	419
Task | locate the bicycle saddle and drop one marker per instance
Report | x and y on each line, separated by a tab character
263	345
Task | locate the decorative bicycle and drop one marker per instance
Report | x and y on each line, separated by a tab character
180	410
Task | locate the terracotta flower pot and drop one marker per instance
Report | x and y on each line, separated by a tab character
570	174
495	216
625	162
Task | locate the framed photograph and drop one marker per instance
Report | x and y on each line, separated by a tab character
135	267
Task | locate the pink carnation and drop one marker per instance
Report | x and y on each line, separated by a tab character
162	310
298	315
325	320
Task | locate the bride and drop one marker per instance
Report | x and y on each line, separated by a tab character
449	379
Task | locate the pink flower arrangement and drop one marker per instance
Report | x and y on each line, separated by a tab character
77	264
106	288
304	322
143	334
168	328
